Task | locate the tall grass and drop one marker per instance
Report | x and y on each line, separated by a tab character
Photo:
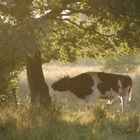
60	125
68	118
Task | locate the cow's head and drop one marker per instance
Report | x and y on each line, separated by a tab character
62	84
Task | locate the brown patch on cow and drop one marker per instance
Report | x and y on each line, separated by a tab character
126	81
108	81
81	85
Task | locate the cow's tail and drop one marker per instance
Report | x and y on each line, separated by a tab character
129	99
130	89
130	92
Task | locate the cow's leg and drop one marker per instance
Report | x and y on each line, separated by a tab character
126	98
125	101
109	102
91	101
93	97
122	104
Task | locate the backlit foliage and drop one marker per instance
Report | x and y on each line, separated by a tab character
65	30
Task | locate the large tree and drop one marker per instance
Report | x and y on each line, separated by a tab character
63	26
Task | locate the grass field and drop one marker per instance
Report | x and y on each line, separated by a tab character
69	119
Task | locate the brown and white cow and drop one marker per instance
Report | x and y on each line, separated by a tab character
96	85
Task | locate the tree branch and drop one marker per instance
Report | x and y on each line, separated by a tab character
74	24
87	12
87	29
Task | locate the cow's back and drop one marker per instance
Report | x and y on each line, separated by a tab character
108	81
81	85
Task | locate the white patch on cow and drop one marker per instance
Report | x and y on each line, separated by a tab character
122	93
120	86
95	95
95	78
96	92
119	83
111	92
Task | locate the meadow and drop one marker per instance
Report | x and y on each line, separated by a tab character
69	119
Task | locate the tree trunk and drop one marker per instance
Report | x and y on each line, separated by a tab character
38	87
14	97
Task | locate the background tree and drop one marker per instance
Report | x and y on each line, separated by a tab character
69	27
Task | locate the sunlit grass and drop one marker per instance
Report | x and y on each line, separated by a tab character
69	119
95	124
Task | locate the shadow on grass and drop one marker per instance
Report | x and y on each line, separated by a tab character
37	125
57	130
62	130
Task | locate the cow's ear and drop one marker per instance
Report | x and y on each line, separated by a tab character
67	77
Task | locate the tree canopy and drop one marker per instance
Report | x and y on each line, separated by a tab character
66	30
95	24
